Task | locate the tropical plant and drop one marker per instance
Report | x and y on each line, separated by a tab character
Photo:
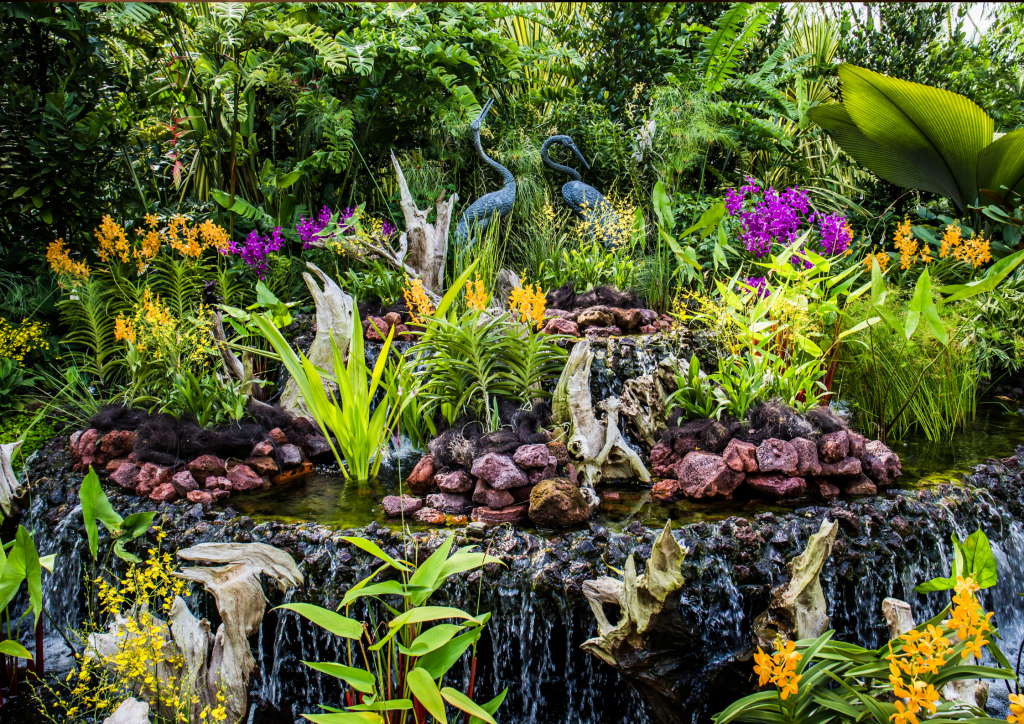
694	394
20	563
14	383
398	665
741	383
210	400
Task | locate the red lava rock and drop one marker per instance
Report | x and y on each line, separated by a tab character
522	495
560	452
396	505
627	319
511	514
880	463
206	465
217	482
377	330
665	490
127	476
499	471
404	333
740	456
449	502
484	494
648	316
664	459
834	446
826	489
291	455
278	436
807	457
454	482
421	479
595	317
184	483
431	516
548	471
200	496
555	325
845	468
89	452
113	465
649	329
557	503
857	444
683	446
151	477
703	475
774	455
861	486
532	456
612	331
117	443
164	493
263	449
263	465
317	448
219	494
244	478
570	472
779	486
392	319
73	441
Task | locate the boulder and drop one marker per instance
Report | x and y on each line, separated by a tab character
217	482
556	503
555	325
278	436
857	444
834	446
244	478
511	514
532	456
663	460
648	316
88	450
454	482
484	494
612	331
151	477
559	451
397	505
164	493
684	445
665	490
392	319
113	465
595	317
499	471
570	472
449	502
825	488
861	486
649	329
845	468
291	455
118	443
777	486
127	476
203	497
522	495
740	456
774	455
376	329
705	475
807	457
628	320
880	463
431	516
548	471
219	494
421	479
262	449
206	465
263	465
317	448
184	483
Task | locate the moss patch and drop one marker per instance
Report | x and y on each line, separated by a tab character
13	425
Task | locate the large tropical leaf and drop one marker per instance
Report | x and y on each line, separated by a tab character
1002	164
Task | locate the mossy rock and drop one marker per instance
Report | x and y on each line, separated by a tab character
557	503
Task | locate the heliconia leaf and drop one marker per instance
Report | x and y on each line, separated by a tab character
355	717
461	701
13	648
358	679
439	661
425	691
387	588
328	620
491	707
374	550
432	639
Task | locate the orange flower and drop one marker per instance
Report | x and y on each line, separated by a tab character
476	295
779	669
60	261
528	304
416	300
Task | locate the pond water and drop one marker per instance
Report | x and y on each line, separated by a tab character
331	500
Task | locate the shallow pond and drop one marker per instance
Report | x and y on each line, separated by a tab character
333	501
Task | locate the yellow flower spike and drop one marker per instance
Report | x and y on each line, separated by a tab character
416	300
476	295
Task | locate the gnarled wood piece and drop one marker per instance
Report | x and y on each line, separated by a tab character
335	314
240	601
797	609
424	246
651	643
10	488
643	400
130	711
194	641
599	445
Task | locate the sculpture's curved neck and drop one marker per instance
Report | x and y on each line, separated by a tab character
506	175
567	170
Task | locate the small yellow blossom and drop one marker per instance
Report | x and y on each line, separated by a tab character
416	300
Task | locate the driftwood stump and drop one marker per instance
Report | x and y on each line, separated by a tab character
423	247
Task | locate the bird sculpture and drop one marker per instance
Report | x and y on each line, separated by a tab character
585	201
478	215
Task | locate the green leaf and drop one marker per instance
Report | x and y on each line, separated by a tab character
439	661
136	524
432	639
993	277
425	691
328	620
265	297
922	298
96	506
454	289
358	679
663	208
13	648
19	192
388	588
979	561
346	718
463	702
374	550
491	707
426	575
427	613
389	705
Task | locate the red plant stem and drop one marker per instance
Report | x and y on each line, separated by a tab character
39	648
469	691
419	714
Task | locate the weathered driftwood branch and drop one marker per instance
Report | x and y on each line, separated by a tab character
424	246
647	644
234	366
130	711
335	312
643	400
10	488
599	445
797	609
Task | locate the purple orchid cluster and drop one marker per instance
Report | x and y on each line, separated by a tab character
256	248
309	228
770	217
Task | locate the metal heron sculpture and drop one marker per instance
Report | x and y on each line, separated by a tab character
585	201
479	213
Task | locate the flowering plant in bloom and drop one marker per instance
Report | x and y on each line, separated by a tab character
17	341
476	295
528	304
416	300
309	228
779	669
256	248
173	343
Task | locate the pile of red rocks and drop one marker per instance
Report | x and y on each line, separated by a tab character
207	478
837	462
601	321
375	329
498	488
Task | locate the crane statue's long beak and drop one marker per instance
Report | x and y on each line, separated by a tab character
579	156
487	107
